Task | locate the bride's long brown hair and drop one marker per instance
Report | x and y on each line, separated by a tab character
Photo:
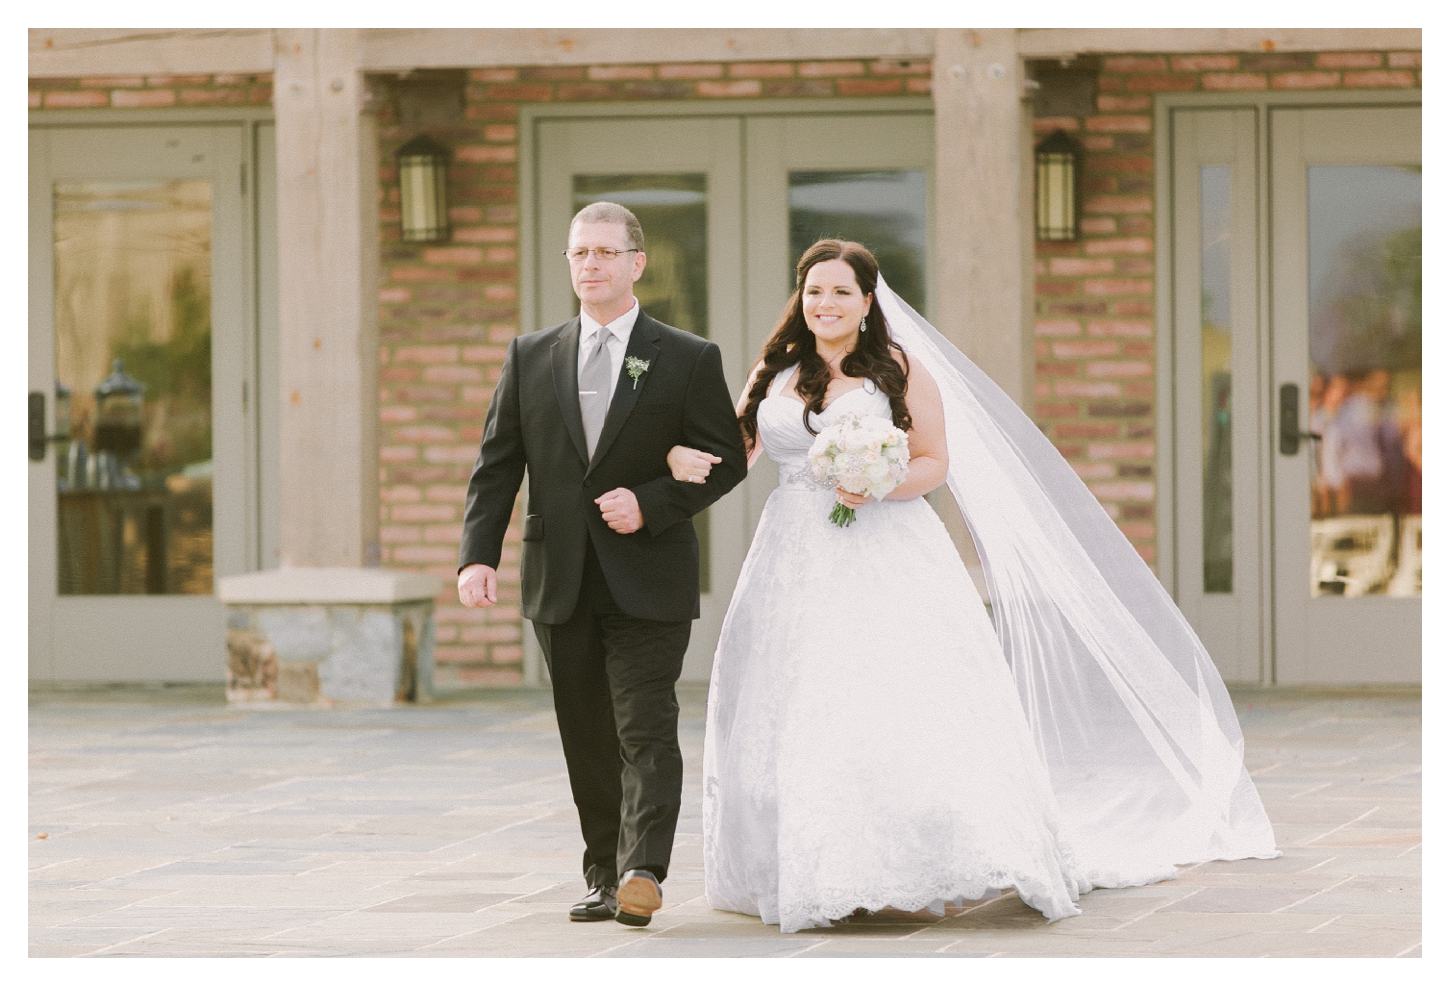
793	342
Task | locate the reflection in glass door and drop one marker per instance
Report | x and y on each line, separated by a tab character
1364	380
133	357
1216	399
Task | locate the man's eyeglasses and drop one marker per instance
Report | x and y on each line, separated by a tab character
577	255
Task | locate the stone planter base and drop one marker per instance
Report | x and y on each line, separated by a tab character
320	636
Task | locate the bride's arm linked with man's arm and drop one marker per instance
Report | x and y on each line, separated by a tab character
928	442
690	465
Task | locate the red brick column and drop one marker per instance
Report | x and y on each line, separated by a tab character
1095	383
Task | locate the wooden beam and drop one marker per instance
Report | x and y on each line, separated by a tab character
402	49
327	302
1065	42
84	52
64	52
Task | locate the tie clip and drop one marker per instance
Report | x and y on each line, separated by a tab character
587	393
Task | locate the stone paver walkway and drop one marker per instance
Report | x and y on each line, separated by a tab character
164	823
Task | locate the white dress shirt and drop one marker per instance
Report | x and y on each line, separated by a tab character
615	345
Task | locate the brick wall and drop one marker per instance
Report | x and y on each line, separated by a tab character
1095	383
448	311
150	91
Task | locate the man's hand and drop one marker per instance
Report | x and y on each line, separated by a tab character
621	511
478	586
690	465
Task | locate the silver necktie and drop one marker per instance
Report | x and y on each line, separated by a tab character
594	390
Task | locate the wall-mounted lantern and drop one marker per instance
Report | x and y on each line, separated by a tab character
119	400
1059	184
423	184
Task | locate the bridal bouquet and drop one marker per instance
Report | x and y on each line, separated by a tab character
861	453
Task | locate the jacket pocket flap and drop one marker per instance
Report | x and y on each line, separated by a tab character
534	527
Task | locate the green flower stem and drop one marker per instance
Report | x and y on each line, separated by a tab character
842	515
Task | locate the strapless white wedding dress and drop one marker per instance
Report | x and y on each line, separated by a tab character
865	744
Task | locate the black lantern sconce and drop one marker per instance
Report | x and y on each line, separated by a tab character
1059	187
423	186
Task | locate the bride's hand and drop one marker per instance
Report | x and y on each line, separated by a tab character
853	500
690	465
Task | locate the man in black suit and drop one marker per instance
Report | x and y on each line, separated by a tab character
611	568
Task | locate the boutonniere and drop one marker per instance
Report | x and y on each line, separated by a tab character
636	368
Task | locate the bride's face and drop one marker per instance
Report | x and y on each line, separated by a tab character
833	302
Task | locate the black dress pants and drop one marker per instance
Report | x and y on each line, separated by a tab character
614	695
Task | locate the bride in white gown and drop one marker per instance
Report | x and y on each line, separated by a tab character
872	739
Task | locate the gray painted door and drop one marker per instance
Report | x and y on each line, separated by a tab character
140	299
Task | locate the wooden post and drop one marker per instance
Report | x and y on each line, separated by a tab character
983	240
983	284
327	299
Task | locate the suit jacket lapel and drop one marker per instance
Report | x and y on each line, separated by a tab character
564	355
643	342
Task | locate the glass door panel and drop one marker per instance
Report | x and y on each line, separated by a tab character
1364	380
1216	351
883	210
674	211
1346	221
133	355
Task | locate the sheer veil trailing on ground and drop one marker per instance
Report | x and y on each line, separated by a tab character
1128	711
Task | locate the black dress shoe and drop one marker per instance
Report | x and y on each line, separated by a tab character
639	898
598	905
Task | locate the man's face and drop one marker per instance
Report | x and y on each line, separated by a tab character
599	283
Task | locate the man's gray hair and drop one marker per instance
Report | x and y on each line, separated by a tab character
609	212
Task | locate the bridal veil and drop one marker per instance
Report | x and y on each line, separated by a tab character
1127	709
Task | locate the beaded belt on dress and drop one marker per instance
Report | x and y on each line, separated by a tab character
799	480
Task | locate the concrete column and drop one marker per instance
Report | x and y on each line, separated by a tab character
983	204
327	256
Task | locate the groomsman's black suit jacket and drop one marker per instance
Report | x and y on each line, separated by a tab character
534	422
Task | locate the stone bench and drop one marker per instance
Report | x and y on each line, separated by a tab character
320	636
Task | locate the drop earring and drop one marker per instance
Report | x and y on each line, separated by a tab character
863	324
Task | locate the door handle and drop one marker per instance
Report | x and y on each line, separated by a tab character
1289	433
37	426
39	440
